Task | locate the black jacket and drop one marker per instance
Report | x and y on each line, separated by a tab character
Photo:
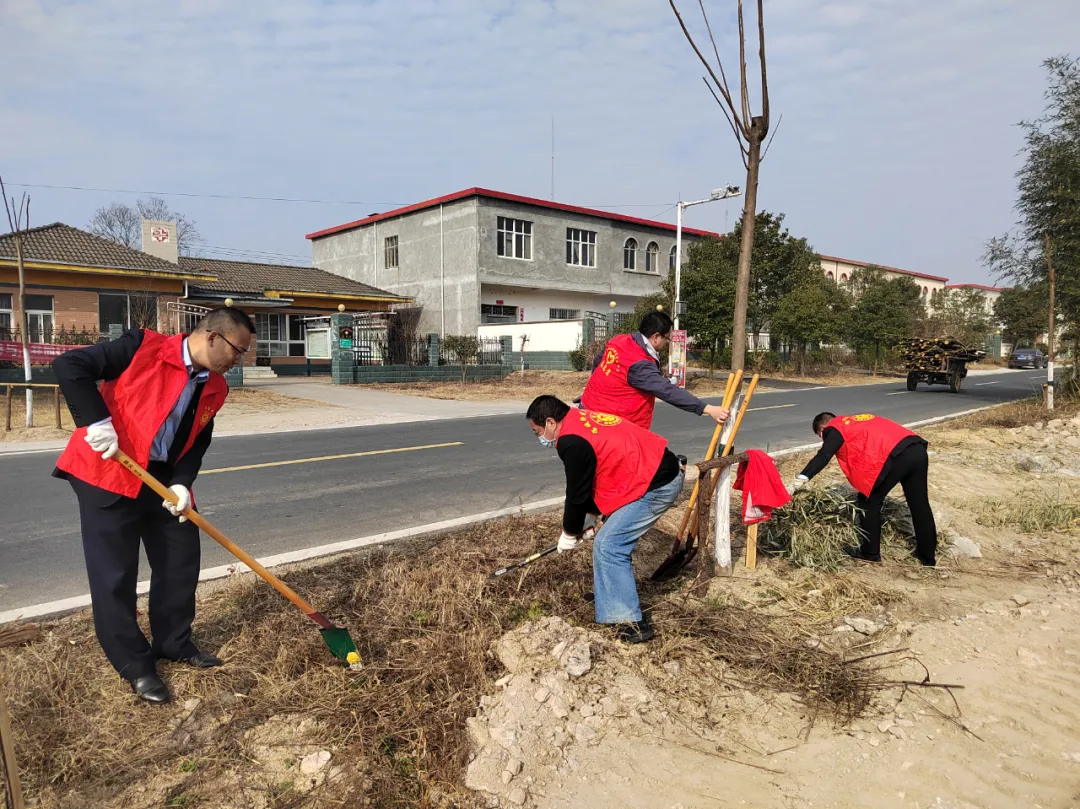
78	373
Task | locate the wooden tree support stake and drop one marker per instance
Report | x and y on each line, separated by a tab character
751	545
8	766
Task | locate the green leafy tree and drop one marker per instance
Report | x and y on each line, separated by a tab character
708	288
1022	312
814	312
965	315
885	311
780	263
1047	232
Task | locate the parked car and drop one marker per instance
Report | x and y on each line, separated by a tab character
1023	357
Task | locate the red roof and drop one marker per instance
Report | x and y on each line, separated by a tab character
484	192
975	286
883	267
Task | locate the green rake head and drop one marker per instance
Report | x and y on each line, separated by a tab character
341	646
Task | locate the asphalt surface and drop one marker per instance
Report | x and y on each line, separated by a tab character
490	463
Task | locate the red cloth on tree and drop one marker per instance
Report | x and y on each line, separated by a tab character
761	485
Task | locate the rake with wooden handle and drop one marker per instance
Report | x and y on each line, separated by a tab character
681	547
337	639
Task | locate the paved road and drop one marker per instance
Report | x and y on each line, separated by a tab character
462	467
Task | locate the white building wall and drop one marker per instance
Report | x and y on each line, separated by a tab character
549	335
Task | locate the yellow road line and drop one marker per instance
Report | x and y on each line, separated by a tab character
329	458
770	407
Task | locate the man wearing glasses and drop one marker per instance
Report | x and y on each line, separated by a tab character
156	401
626	379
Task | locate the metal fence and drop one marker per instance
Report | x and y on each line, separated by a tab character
479	351
376	349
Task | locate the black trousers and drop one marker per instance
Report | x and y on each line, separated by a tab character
909	469
112	527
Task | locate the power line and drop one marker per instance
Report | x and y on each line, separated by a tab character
204	196
255	198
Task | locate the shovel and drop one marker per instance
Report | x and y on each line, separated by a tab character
337	639
683	544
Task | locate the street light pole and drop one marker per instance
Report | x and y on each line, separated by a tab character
719	193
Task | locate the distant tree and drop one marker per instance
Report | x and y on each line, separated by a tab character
885	311
814	312
122	223
646	304
466	350
780	263
1022	312
708	288
964	314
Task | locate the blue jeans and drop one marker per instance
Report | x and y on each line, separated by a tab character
613	575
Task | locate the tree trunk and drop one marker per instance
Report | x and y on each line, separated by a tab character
746	248
25	320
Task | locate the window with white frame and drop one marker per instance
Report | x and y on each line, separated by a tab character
564	314
279	335
580	247
390	252
514	238
39	313
652	257
629	254
5	316
673	256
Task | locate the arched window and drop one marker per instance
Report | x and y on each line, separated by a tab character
629	255
925	292
829	275
673	256
844	278
652	257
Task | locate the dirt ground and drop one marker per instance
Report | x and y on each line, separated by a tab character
890	685
568	385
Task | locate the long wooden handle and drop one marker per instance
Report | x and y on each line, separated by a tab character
224	541
733	383
692	511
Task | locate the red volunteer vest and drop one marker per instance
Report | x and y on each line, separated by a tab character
868	440
627	456
609	391
140	400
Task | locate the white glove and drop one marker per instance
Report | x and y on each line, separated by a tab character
798	483
590	522
183	501
102	438
567	542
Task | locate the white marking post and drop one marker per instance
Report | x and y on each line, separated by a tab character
722	498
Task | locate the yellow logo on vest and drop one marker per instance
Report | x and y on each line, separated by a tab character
860	417
611	359
592	420
204	419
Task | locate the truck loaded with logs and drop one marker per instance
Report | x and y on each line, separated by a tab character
937	362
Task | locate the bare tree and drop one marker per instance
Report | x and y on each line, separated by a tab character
19	221
750	132
122	223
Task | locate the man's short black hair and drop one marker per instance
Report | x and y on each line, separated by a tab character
224	318
655	323
821	419
546	407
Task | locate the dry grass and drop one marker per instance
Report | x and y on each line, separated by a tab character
425	621
1030	511
252	400
1021	413
44	428
567	385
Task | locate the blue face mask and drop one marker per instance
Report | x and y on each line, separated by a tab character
547	442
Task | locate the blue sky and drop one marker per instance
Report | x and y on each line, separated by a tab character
897	145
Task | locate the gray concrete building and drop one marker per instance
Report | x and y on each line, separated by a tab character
482	256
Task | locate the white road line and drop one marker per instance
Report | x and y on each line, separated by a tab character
771	407
977	384
898	393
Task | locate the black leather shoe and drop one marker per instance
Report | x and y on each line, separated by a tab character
200	660
150	689
634	632
197	659
857	553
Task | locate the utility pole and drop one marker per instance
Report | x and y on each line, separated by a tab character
717	194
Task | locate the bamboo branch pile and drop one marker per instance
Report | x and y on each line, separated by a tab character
935	355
